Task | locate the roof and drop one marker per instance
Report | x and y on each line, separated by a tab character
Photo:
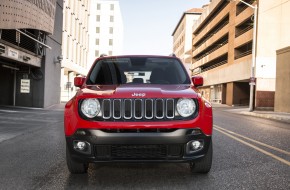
136	56
196	11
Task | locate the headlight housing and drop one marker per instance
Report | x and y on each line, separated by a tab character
90	107
185	107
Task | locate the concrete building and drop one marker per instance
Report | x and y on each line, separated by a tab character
75	46
29	76
106	29
182	36
222	50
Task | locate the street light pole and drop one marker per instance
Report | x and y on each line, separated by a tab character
253	66
252	83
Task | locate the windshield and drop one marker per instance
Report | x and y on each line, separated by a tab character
138	70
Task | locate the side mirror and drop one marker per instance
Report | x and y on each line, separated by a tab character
79	81
197	81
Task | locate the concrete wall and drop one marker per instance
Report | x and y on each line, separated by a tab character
282	100
52	69
238	71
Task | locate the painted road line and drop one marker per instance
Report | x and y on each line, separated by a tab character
8	111
252	140
254	147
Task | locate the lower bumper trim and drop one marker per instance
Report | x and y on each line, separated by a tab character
138	147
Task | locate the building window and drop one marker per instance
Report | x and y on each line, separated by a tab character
98	18
112	7
97	29
97	53
111	18
110	53
111	30
98	6
110	42
97	41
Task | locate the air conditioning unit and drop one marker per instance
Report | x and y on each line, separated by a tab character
2	49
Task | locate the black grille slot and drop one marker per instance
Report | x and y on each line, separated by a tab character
138	151
103	152
128	109
106	109
138	108
117	109
170	108
149	109
159	108
175	150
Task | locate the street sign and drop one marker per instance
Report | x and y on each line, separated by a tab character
25	86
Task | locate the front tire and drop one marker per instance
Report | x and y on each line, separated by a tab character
73	166
204	165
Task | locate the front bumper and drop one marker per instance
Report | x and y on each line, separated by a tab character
104	146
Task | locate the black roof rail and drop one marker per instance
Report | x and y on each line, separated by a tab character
103	55
172	55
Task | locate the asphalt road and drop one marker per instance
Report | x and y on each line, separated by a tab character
249	153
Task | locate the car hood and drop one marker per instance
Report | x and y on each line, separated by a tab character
138	91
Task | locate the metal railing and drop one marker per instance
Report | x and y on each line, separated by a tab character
211	34
240	32
241	7
214	66
218	46
24	41
249	52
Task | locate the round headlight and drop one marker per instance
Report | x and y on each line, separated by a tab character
185	107
90	107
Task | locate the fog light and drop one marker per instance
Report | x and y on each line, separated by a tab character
81	145
194	146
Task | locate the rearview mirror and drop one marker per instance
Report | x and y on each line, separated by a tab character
79	81
197	81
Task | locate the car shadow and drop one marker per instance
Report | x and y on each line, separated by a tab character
134	176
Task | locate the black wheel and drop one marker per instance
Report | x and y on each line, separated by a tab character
75	167
204	165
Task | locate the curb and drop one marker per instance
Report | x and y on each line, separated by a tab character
285	118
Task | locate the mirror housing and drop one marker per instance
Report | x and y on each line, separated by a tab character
79	81
197	81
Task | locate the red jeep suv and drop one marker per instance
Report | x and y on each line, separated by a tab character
138	109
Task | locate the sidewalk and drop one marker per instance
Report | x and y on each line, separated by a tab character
59	107
55	107
279	116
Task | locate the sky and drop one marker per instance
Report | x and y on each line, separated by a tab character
149	24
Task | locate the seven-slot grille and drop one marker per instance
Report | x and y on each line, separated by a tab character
138	109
